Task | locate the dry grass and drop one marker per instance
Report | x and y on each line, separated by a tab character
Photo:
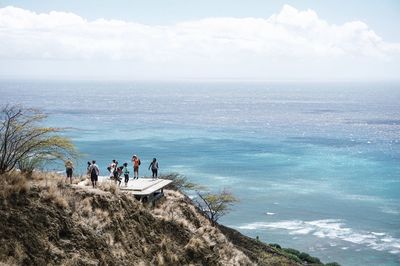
38	176
118	250
76	181
87	215
159	259
9	262
88	211
173	210
45	179
196	244
204	236
109	187
13	183
86	207
115	247
16	257
164	244
78	260
141	263
97	219
144	249
173	258
53	194
88	182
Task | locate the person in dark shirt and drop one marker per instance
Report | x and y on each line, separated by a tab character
154	168
94	173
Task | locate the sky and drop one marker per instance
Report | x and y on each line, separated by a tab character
202	40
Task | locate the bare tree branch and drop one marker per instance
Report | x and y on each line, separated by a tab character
214	206
23	141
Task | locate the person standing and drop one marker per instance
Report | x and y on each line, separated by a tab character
94	173
125	172
69	168
154	168
117	174
136	164
88	169
112	168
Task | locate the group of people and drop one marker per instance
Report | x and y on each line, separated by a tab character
115	172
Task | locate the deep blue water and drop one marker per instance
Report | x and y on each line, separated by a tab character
315	165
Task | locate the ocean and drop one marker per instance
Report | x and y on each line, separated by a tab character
316	166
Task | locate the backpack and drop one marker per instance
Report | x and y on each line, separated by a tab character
119	170
93	172
139	162
115	173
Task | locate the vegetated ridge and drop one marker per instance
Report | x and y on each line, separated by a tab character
44	221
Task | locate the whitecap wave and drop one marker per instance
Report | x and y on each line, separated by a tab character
334	229
358	197
390	210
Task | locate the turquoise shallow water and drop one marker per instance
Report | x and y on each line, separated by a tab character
316	166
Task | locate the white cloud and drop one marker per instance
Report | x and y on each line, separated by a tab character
286	38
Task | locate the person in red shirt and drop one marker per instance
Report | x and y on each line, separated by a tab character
136	164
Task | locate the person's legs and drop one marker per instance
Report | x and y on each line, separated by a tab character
69	174
126	179
93	177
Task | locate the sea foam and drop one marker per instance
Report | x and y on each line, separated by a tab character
334	229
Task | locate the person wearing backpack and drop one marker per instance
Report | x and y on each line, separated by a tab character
154	168
136	164
125	172
94	173
117	174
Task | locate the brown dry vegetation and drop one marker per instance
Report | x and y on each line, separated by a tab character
46	221
227	247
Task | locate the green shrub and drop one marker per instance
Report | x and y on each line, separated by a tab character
293	257
275	245
292	251
308	258
180	182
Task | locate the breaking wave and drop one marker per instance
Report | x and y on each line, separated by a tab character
332	229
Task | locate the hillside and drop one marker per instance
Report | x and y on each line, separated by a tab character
46	222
